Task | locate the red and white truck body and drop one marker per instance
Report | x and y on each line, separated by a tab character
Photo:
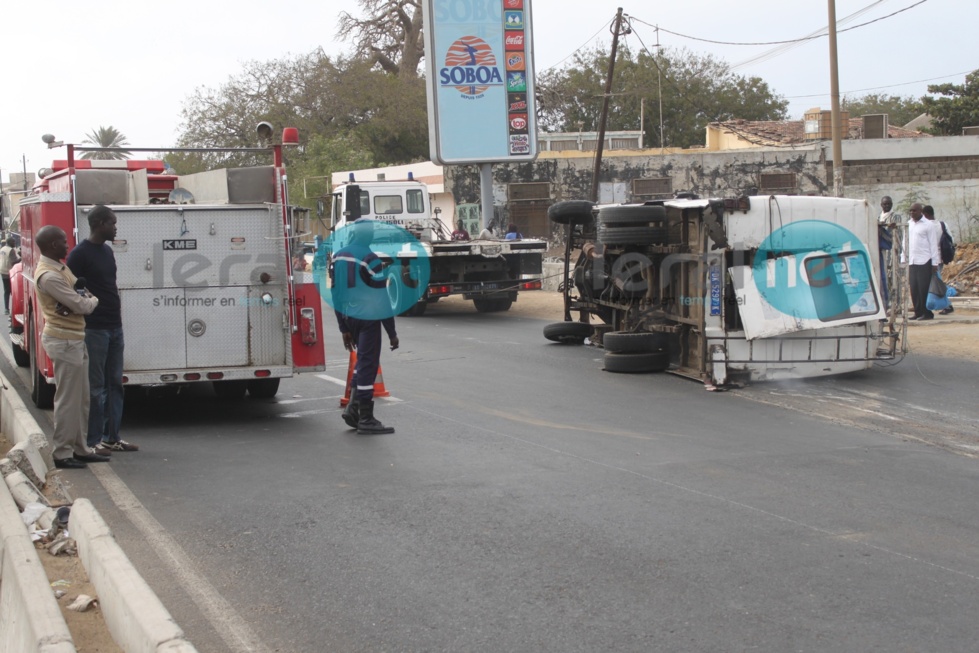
204	273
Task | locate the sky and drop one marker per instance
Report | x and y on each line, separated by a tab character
70	67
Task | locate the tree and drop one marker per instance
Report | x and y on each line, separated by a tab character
696	90
390	37
106	137
347	112
900	110
957	109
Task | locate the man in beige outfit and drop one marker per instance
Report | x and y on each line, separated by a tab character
63	339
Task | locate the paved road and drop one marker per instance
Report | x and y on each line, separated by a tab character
531	502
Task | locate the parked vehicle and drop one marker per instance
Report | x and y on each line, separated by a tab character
489	271
727	290
205	272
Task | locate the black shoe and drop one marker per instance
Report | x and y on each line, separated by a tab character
914	317
946	311
68	463
351	414
367	424
927	316
91	458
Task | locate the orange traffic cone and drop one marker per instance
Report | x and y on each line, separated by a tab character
379	389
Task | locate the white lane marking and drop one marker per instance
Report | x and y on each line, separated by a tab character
332	379
233	629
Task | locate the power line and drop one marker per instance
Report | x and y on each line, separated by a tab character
878	88
580	47
814	35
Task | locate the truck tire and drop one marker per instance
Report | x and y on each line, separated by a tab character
611	235
656	361
631	215
568	333
571	212
496	305
417	310
624	342
42	392
263	388
230	389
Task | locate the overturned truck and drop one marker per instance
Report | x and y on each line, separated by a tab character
728	290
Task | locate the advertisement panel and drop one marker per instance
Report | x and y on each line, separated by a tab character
480	79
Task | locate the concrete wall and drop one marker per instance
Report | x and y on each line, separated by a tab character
943	172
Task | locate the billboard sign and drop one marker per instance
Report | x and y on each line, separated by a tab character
480	81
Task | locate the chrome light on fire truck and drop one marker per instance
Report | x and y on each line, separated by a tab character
267	299
196	328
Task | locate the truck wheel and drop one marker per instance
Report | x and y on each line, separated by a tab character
611	235
484	305
263	388
503	305
230	389
624	342
656	361
571	212
568	333
631	215
42	392
417	310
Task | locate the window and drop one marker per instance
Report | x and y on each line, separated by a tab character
653	186
840	286
388	205
769	182
539	190
416	201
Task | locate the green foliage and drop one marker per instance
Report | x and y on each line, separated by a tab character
958	108
696	90
900	110
106	137
915	193
344	102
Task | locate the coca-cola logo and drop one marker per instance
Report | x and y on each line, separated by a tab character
514	41
513	4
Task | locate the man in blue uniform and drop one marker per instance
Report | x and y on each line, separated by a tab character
361	304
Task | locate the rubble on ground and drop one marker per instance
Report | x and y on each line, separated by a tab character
963	272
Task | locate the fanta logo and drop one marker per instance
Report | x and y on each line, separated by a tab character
470	66
515	61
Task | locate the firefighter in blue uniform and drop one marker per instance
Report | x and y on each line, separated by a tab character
361	304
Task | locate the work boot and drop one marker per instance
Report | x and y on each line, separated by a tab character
367	424
351	414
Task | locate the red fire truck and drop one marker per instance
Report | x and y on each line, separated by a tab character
205	271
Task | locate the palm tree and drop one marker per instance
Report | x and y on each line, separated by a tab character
106	137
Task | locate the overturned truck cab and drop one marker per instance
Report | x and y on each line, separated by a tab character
729	290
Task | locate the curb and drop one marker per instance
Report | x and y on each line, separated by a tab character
30	618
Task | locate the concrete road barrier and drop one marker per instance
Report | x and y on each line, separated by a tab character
30	619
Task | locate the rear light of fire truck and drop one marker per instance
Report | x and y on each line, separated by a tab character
438	291
530	285
307	326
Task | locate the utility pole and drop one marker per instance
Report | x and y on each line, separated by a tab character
604	117
834	89
659	84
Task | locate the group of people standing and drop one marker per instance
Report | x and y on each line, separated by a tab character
920	253
83	336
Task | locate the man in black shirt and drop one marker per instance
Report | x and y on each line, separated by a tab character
93	260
